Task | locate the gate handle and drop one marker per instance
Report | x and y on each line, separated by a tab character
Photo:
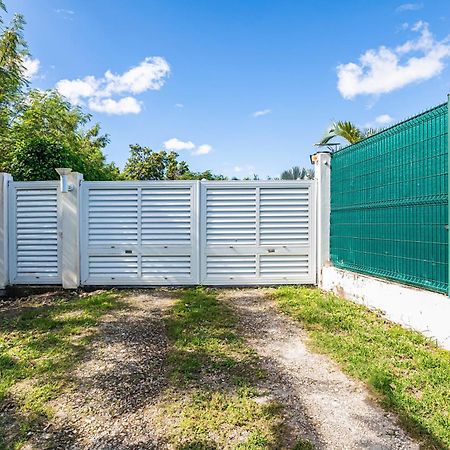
271	250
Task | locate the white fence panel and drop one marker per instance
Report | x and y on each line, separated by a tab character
139	233
258	232
35	239
168	233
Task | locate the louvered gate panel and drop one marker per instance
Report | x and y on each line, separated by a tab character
139	233
258	233
35	238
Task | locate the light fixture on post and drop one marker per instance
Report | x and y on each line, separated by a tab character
63	172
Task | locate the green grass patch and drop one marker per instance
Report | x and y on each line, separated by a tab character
215	375
409	374
38	347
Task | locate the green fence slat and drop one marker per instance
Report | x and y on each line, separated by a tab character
389	203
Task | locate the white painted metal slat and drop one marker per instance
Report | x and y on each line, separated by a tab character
230	216
35	239
139	233
258	233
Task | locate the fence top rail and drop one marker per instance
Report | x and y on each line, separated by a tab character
28	184
242	183
394	128
230	183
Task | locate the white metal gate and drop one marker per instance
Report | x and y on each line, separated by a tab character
258	232
190	232
35	238
139	233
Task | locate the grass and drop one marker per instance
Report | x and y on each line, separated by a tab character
39	345
215	379
406	371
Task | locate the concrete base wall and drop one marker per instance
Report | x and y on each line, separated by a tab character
424	311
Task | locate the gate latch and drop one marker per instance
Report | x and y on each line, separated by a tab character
271	250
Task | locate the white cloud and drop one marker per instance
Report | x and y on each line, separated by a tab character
380	121
31	67
262	112
66	14
409	7
98	93
76	90
65	11
148	75
203	149
386	69
126	105
177	145
384	119
248	169
179	105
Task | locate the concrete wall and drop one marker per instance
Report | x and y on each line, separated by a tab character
424	311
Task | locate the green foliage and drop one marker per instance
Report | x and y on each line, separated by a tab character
407	371
146	164
297	173
36	159
46	123
37	123
12	82
348	131
206	175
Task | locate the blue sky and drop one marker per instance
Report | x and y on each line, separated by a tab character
239	87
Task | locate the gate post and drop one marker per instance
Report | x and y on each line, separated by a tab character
5	178
322	161
70	228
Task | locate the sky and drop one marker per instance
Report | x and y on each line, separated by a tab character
239	87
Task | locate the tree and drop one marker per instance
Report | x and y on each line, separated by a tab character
36	123
36	159
348	131
297	173
13	50
205	175
45	118
147	164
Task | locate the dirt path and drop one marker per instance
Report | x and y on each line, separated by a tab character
333	411
117	387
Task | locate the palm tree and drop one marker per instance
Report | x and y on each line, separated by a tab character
297	173
348	131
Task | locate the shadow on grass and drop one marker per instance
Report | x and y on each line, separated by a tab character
219	383
38	347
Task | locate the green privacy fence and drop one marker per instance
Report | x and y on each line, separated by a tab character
389	203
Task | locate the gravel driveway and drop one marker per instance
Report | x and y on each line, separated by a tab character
114	402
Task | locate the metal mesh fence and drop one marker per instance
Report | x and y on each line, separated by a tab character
389	203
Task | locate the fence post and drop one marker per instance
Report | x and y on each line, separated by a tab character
448	192
4	262
322	161
70	229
